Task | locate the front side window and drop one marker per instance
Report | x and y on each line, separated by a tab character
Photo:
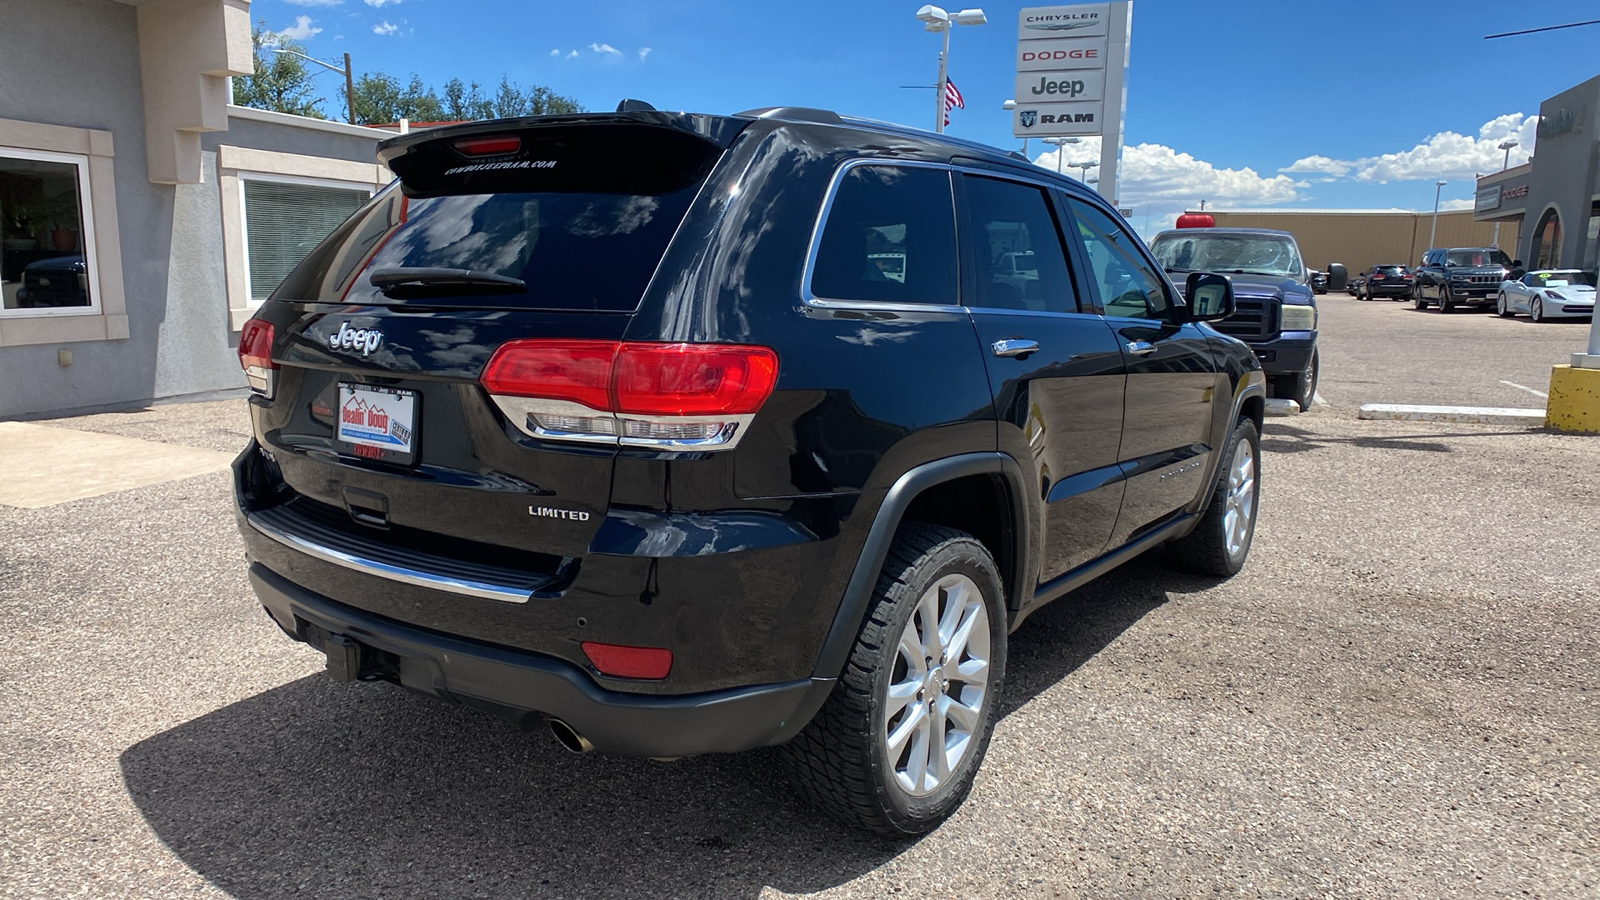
46	265
890	238
284	221
1017	248
1128	286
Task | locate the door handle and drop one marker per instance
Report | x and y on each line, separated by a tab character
1014	348
1141	348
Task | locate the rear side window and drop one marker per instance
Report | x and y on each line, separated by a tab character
890	238
1017	248
583	226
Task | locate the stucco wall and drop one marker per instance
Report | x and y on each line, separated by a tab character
76	63
1563	170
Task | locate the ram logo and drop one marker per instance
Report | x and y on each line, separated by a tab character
1028	117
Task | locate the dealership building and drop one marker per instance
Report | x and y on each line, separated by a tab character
143	218
1554	195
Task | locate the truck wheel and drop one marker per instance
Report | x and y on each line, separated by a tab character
1446	302
896	746
1300	387
1221	542
1416	298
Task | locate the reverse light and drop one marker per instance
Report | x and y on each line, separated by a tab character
255	357
1299	318
620	661
665	396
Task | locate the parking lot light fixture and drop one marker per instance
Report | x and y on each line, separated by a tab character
1506	146
935	19
1434	231
1061	148
1084	168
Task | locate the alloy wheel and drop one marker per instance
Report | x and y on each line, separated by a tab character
934	700
1240	499
1536	311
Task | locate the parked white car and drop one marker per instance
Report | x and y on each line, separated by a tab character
1548	294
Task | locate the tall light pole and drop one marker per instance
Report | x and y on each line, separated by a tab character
1434	231
1084	168
1061	147
1504	164
937	20
349	79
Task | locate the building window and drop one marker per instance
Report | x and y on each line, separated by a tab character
1547	241
47	261
285	219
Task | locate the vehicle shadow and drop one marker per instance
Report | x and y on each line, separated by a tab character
1281	438
335	790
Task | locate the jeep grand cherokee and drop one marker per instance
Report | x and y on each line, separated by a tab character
616	421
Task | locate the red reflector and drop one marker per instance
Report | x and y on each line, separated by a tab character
1196	220
497	145
255	345
693	379
629	662
579	371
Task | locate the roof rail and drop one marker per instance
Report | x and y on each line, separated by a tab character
794	114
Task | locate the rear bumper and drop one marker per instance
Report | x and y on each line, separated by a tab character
528	687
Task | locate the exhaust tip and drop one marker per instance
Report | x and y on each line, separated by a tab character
568	738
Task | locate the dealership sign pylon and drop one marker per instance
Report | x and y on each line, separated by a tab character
1072	77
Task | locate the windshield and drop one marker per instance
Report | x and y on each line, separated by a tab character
1482	258
1245	254
1561	279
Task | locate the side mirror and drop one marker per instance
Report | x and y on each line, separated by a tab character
1210	297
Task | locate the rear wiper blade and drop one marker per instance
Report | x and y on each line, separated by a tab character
401	277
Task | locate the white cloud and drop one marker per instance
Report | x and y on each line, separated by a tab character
1318	165
605	49
1158	182
573	54
643	52
1446	155
556	52
1461	203
385	28
301	30
314	2
380	4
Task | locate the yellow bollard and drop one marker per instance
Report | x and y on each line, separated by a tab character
1574	400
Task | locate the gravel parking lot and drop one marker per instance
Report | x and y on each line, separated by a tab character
1396	697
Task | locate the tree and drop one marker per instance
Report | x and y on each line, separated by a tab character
281	82
381	99
512	100
463	103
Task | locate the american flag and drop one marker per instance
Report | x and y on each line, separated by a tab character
952	100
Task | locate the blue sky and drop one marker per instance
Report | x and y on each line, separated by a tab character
1365	104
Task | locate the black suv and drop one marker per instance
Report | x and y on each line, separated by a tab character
694	433
1386	280
1277	306
1459	275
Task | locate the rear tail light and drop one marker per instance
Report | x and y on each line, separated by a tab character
668	396
620	661
255	357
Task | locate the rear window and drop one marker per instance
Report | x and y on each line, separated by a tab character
1390	270
583	228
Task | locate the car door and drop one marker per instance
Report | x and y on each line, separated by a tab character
1429	276
1167	428
1055	367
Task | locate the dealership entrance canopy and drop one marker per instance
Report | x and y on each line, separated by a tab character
1554	194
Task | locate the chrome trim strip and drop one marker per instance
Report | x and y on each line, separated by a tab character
523	412
480	589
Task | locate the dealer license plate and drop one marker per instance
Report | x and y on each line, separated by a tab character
384	418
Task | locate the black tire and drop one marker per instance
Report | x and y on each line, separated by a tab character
1447	303
840	760
1417	302
1208	549
1300	387
1536	310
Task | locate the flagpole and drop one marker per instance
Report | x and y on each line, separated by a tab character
938	123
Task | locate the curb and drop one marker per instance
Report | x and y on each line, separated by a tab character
1461	415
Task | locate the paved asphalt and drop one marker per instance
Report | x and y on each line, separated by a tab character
1397	697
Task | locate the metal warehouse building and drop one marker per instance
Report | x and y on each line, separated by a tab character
1362	238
